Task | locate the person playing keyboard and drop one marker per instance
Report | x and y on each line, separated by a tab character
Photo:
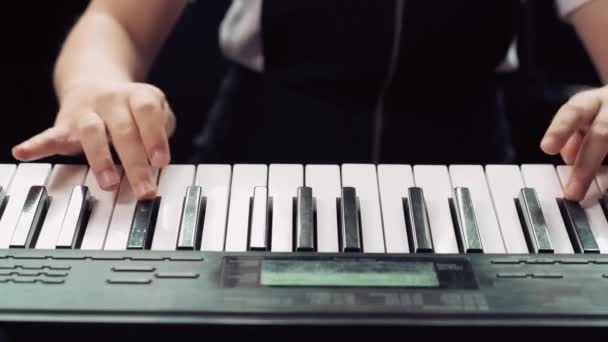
338	72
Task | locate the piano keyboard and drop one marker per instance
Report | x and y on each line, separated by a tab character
356	243
502	209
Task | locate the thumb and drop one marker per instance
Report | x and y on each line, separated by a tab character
50	142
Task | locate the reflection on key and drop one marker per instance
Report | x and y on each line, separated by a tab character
466	222
192	217
533	220
30	220
350	228
3	200
144	220
578	227
419	229
305	229
75	218
258	222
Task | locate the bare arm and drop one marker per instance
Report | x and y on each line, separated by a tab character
98	79
591	24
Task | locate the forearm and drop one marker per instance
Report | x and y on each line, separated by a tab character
591	23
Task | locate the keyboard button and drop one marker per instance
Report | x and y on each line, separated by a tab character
418	225
504	182
258	223
593	209
30	220
535	226
544	180
172	184
350	226
214	181
102	206
394	182
473	178
435	182
578	227
144	223
325	183
283	183
122	217
72	227
362	177
244	179
26	176
305	224
190	226
466	221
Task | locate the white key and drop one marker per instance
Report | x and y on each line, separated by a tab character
7	171
593	209
435	182
26	175
172	184
505	182
244	179
215	183
283	183
394	182
473	178
62	181
101	213
325	183
544	180
258	239
122	216
363	178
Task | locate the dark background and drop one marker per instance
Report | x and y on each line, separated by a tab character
191	66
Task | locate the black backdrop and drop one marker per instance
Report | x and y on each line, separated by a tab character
191	66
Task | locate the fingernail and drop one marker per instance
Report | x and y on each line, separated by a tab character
109	178
159	158
145	189
575	189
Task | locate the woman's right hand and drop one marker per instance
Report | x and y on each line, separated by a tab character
135	117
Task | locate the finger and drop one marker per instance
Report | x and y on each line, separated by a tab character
131	151
48	143
149	115
579	111
93	138
570	150
590	156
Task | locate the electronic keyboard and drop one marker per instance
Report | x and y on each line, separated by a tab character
351	244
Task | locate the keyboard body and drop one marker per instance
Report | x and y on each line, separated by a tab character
136	287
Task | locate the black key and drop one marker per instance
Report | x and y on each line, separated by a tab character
578	226
75	218
350	223
190	227
3	200
144	221
419	229
305	226
533	220
31	218
258	220
467	229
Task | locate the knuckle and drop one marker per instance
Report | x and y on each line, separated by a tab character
90	125
599	130
123	128
141	105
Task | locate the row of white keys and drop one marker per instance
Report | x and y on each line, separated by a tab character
394	182
122	216
215	183
435	183
102	207
473	178
244	180
545	181
505	182
172	184
364	179
26	176
326	188
283	183
591	205
61	182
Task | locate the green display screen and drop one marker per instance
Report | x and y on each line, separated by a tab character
348	273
